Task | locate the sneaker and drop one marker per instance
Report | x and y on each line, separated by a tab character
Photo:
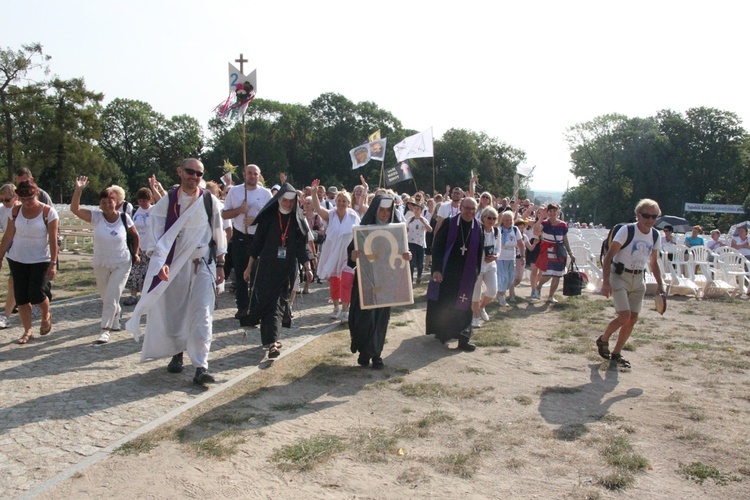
552	300
475	323
116	326
103	337
345	317
501	301
175	366
512	300
202	377
466	346
483	314
336	313
3	321
533	294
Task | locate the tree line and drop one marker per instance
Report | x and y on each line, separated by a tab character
700	156
59	129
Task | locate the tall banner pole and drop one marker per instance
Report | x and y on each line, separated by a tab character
433	175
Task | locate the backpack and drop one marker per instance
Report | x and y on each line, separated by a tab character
17	209
631	234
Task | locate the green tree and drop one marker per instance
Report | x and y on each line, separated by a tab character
14	66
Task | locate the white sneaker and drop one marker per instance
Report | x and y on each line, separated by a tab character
345	316
501	301
483	314
336	313
475	323
3	321
103	337
552	300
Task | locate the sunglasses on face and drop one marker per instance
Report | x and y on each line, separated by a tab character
490	218
649	216
190	171
7	200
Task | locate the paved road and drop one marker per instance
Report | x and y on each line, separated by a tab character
63	398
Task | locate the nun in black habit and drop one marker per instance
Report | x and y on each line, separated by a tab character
280	243
368	327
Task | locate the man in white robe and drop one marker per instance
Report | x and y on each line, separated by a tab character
179	289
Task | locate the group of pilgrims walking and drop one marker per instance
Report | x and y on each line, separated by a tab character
179	245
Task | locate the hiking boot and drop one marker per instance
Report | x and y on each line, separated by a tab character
175	366
202	377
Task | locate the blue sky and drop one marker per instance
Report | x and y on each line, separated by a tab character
522	72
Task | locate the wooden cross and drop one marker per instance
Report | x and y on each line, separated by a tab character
463	250
464	298
241	60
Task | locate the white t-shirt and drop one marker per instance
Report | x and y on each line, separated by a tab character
743	251
448	210
415	231
256	200
508	242
636	255
140	219
5	213
30	242
110	240
490	240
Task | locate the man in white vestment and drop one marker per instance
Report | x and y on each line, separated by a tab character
179	290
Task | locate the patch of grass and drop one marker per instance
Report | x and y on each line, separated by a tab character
699	472
523	400
459	464
476	370
421	428
289	407
571	432
374	445
617	480
609	418
218	446
235	419
141	444
618	452
413	475
694	346
437	390
693	413
515	463
400	323
307	453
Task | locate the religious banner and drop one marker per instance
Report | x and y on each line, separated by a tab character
524	170
399	173
415	146
383	276
360	156
242	90
377	149
375	136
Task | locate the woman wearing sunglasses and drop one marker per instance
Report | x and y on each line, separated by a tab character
30	241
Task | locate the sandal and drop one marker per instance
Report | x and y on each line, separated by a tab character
603	348
621	362
46	326
273	351
25	339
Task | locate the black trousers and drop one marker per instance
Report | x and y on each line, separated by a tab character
240	248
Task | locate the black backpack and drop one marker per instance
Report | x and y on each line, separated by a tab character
631	234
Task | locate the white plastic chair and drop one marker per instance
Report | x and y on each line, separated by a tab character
727	249
732	267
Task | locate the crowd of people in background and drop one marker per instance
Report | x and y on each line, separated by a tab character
270	244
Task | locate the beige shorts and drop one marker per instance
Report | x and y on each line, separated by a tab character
627	291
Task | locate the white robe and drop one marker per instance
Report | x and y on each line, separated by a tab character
180	311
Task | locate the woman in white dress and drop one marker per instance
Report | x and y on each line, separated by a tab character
333	253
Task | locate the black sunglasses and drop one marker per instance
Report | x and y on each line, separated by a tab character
649	216
7	200
491	218
190	171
